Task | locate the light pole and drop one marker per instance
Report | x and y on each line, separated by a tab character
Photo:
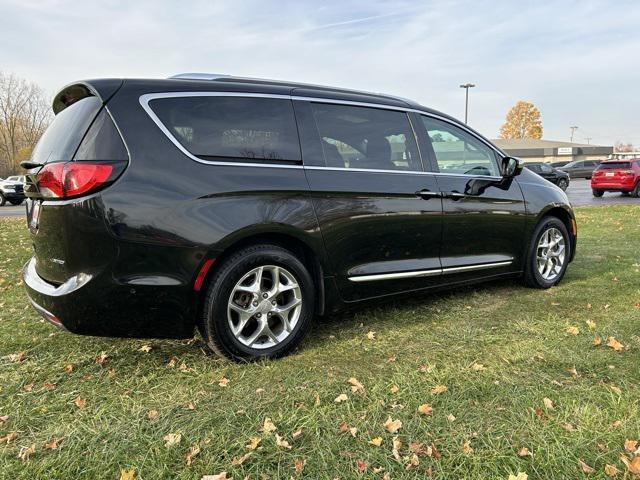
573	130
466	87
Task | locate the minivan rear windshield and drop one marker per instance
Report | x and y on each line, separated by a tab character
61	139
612	165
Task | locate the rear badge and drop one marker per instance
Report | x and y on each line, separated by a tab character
58	261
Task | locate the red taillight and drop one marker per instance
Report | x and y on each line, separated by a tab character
72	179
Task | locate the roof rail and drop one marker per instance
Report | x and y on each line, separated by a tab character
199	76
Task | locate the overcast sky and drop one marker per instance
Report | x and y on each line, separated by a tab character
579	62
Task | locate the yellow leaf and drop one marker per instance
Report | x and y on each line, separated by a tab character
341	398
193	451
299	464
591	324
253	443
392	425
127	474
80	402
548	403
377	441
597	341
371	335
223	382
235	461
280	442
584	467
26	452
632	465
630	445
438	389
466	448
219	476
519	476
394	389
152	414
615	344
478	367
610	470
69	368
573	372
425	409
397	444
356	386
524	452
573	330
171	439
102	358
145	348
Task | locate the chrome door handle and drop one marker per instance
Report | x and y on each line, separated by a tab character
427	194
453	195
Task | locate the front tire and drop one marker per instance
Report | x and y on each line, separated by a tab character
258	304
548	255
2	200
636	191
597	193
563	184
15	202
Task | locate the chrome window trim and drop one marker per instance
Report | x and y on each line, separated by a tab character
427	273
146	98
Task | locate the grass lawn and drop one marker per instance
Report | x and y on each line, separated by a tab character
505	354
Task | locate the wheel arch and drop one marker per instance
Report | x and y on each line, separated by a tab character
567	217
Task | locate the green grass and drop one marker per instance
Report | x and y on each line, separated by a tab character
519	335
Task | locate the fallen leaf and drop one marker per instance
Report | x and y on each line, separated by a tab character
573	372
371	335
223	382
52	444
219	476
361	465
584	467
548	403
610	470
296	434
268	426
524	452
259	390
425	409
616	389
27	388
519	476
590	324
615	344
3	419
80	402
466	448
26	452
235	461
193	451
573	330
616	424
68	368
478	367
395	450
128	474
413	462
597	341
253	443
392	425
17	357
394	389
630	445
341	398
356	386
48	386
9	437
632	465
173	361
438	389
568	427
377	441
102	358
145	348
426	368
299	464
152	414
190	406
280	442
451	418
171	439
538	412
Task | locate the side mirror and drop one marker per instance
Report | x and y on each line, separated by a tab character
511	167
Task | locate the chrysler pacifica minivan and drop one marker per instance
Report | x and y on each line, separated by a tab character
246	208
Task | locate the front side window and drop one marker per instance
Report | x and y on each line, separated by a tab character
459	152
366	138
546	168
222	127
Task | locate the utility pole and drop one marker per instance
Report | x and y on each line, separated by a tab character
588	139
573	129
466	86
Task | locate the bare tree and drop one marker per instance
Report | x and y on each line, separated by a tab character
24	115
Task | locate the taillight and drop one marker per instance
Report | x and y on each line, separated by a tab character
73	179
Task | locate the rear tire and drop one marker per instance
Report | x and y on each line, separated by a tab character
546	263
2	200
636	191
258	304
597	193
16	202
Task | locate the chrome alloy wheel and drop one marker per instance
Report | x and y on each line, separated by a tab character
264	307
550	254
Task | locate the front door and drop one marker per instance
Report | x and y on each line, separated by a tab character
378	211
483	214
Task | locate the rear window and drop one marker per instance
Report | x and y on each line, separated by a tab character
219	128
612	165
61	139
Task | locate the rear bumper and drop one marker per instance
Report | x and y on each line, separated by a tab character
14	195
613	186
98	304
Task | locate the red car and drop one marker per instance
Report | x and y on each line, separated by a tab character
617	176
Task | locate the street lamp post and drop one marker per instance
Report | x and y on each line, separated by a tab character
466	87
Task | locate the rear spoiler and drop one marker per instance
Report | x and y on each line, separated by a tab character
104	89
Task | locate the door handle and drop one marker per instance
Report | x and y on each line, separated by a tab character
426	194
453	195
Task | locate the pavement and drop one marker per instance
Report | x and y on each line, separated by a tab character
579	193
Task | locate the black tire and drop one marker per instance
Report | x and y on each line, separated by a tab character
214	325
2	200
532	277
597	193
636	191
15	202
563	184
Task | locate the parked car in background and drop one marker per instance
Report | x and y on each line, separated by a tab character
12	190
559	164
580	168
246	207
617	176
546	171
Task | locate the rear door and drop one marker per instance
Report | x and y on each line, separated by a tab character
483	214
378	210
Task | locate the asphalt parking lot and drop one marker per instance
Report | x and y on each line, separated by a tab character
579	192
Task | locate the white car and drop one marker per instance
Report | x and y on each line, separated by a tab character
12	190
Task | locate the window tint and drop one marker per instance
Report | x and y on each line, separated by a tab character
546	168
533	168
614	165
61	139
459	152
261	129
369	138
102	141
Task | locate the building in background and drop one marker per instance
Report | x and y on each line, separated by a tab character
531	150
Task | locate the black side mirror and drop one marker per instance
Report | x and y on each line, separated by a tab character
511	167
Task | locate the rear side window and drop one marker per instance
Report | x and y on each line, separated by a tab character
102	141
368	138
219	128
61	139
614	165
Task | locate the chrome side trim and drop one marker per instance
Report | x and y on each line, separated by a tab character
146	98
392	276
427	273
33	281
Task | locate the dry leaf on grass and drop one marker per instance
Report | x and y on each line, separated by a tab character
466	448
218	476
615	344
371	335
3	419
590	324
52	444
235	461
341	398
395	450
17	357
394	389
597	341
519	476
548	403
585	468
80	402
128	474
392	425
102	358
573	330
573	372
451	418
610	470
171	439
478	367
152	414
268	426
356	386
193	451
438	389
223	382
253	443
48	386
26	452
9	437
632	465
27	388
425	409
524	452
145	348
299	464
377	441
630	445
280	442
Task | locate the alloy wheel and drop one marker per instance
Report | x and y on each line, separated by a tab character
550	254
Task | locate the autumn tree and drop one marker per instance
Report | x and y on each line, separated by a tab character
523	121
24	115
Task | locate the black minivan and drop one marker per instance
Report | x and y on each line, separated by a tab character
247	207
